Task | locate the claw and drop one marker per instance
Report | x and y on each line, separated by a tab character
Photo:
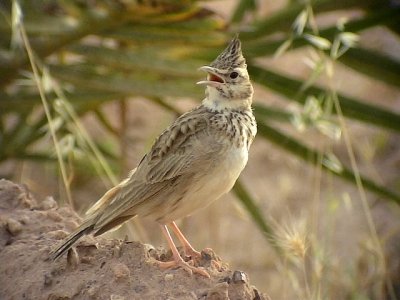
184	265
178	262
193	254
217	265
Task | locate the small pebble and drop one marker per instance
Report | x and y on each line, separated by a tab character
117	251
207	254
26	201
225	279
151	251
169	277
47	279
72	258
120	270
117	297
256	294
53	215
239	276
140	289
57	234
24	219
92	291
154	254
13	226
48	203
148	247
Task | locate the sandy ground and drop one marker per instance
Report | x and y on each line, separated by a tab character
98	268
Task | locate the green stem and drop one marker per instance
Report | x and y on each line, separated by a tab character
255	211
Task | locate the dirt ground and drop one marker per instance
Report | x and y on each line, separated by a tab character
99	268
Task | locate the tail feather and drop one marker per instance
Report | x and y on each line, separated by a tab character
89	225
107	198
70	241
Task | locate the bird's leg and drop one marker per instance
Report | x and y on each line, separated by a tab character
187	248
178	261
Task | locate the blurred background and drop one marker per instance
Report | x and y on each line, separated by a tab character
87	85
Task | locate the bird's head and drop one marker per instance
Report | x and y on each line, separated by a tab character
228	83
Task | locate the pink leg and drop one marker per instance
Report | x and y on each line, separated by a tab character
178	261
189	250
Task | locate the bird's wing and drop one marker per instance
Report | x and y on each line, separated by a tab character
175	150
107	198
172	155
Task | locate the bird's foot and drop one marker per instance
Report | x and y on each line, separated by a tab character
180	263
192	254
217	265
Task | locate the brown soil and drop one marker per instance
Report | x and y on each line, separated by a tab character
99	268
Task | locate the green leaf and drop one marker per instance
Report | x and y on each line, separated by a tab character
352	108
376	65
242	7
96	23
283	19
256	48
147	58
170	34
144	84
373	64
264	112
24	102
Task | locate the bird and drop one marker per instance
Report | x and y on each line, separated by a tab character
196	160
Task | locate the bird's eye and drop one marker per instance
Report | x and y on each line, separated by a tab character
234	75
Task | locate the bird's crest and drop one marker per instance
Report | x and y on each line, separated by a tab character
231	57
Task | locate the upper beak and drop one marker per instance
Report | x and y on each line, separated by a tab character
214	78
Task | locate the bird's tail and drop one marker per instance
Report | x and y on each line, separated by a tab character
82	230
89	224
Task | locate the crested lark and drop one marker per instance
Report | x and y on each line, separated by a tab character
192	163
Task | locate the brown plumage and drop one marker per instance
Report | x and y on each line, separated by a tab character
192	163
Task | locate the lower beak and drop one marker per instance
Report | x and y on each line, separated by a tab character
213	79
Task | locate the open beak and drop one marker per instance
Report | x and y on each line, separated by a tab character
213	78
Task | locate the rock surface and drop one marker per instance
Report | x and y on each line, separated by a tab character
97	268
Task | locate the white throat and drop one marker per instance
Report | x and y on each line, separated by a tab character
214	101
